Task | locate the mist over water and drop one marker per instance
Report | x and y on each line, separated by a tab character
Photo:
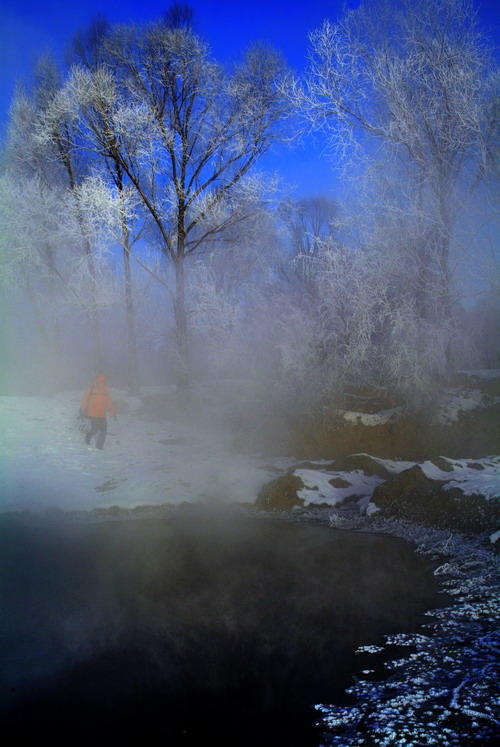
208	625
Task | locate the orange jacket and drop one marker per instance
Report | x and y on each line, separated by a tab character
96	400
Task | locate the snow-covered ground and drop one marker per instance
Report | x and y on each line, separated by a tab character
44	462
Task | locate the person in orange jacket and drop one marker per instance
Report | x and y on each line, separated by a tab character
96	402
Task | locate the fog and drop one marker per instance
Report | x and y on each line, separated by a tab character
204	624
231	315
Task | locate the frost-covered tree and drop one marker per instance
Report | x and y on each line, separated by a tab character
54	162
184	131
413	84
29	224
308	222
363	332
41	262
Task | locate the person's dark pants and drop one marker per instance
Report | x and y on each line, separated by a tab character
99	426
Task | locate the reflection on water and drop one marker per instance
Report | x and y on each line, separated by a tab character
207	626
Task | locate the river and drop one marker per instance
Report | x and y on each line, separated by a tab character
202	625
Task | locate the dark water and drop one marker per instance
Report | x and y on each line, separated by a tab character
208	627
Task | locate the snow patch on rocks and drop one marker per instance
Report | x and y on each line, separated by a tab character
471	476
318	487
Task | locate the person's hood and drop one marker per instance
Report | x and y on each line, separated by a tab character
101	380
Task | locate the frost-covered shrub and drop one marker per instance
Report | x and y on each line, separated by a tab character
369	332
361	328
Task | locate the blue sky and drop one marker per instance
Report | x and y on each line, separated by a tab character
29	27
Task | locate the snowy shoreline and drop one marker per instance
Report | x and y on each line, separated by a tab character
445	690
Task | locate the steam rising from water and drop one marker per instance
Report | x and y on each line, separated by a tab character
204	625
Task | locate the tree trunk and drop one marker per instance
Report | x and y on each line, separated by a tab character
133	374
94	319
132	367
56	359
444	249
182	348
444	267
96	339
422	256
